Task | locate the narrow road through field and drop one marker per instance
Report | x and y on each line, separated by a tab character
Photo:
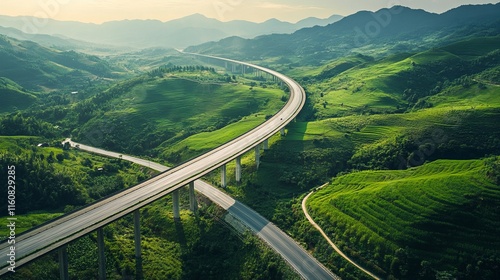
304	208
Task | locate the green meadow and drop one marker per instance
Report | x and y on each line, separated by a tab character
165	116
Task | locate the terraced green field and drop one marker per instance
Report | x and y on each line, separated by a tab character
440	212
434	112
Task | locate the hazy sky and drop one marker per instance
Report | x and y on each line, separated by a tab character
253	10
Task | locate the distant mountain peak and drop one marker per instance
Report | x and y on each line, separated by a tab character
196	16
274	20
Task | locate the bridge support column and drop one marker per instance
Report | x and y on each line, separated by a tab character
175	199
257	155
63	263
223	177
238	169
193	205
282	132
102	257
265	145
137	241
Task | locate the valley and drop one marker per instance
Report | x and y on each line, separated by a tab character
403	130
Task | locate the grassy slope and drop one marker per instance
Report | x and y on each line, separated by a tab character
13	97
363	85
177	104
184	103
39	68
439	210
463	123
166	111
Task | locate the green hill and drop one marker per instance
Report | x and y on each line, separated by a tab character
394	113
13	97
147	113
405	81
425	119
42	69
391	30
440	216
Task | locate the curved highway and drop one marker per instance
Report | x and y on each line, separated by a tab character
50	236
307	266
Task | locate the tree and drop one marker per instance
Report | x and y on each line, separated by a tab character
60	157
66	146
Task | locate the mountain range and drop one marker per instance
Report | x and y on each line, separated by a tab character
37	68
367	33
179	33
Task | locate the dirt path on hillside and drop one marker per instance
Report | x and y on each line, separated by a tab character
304	209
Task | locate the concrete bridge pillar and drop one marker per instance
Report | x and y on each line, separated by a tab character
137	241
175	199
63	262
238	169
101	255
282	132
223	177
257	155
193	205
137	234
265	145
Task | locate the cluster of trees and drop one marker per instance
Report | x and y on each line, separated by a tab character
176	68
43	185
18	124
469	138
39	185
311	166
493	169
428	79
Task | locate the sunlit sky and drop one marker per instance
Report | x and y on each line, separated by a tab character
99	11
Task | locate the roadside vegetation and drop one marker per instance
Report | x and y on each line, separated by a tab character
203	246
409	142
178	102
52	180
360	116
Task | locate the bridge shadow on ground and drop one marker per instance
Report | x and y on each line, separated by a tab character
181	235
218	253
